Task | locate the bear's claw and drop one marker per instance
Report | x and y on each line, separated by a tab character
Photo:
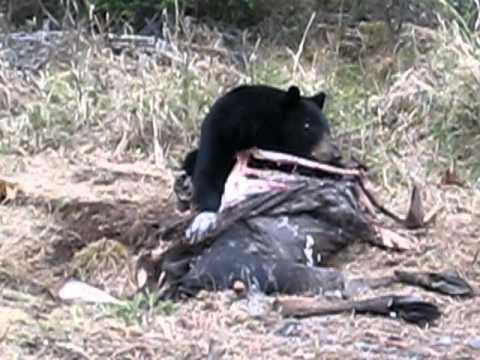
201	226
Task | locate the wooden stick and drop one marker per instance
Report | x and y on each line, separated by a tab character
410	309
292	159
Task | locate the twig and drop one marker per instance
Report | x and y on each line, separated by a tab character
299	52
127	349
48	13
75	350
475	257
379	206
292	159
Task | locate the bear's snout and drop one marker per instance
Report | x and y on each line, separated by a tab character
327	151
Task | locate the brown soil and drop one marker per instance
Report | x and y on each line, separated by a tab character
85	215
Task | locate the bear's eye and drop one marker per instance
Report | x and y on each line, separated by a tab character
306	126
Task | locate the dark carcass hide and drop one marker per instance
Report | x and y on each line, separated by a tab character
276	232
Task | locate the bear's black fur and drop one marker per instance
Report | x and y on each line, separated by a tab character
254	116
188	164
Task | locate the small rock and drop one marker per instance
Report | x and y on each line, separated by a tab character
474	343
329	339
366	347
104	178
444	341
258	304
289	328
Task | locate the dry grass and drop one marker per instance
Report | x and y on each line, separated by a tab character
430	110
91	125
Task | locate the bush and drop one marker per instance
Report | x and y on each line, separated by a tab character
129	9
239	12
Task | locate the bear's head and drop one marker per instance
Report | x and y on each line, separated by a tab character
305	131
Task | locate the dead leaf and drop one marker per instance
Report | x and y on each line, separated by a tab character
451	178
8	190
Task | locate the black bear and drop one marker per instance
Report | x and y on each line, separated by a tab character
253	116
188	164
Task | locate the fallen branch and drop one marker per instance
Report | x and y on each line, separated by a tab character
407	308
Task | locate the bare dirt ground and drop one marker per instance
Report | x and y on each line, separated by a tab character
38	250
70	219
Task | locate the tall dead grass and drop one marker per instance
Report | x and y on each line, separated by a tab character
432	109
124	103
148	101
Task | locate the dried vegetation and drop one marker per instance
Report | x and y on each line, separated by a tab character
87	119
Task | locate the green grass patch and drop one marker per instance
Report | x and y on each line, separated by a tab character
141	309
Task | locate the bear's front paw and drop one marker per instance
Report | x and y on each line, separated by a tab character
201	226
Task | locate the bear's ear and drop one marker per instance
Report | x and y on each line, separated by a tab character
319	99
292	96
